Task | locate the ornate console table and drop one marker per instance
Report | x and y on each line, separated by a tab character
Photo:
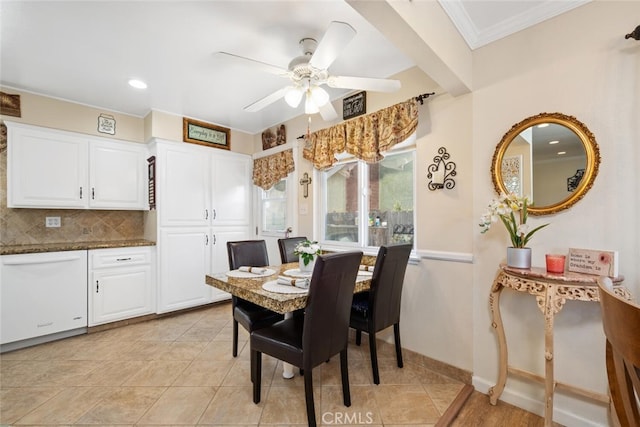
551	291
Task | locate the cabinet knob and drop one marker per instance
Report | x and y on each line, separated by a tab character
80	193
97	287
93	193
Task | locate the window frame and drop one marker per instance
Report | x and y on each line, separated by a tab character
363	199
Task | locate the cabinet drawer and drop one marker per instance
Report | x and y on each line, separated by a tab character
119	257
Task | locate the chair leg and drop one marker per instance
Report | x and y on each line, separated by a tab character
344	372
235	338
308	395
358	336
374	357
256	374
396	334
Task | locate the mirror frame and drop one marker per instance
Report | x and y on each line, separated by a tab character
590	147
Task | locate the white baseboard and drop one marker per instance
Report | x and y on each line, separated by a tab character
560	415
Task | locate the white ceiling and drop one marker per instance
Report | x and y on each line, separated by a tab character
86	51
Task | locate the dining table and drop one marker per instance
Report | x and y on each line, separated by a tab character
262	288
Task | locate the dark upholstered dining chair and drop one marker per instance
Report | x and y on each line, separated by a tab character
287	247
250	253
379	308
309	340
621	323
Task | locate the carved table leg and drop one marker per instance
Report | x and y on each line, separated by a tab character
549	385
496	323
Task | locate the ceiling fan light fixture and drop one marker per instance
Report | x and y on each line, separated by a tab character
310	106
319	95
293	96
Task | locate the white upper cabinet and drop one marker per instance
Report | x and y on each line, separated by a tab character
48	168
203	186
117	175
183	188
231	184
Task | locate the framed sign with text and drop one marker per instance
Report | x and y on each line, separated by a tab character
354	105
207	134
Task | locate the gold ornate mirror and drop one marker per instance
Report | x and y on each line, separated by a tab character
552	158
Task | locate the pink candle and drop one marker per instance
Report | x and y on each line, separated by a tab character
555	263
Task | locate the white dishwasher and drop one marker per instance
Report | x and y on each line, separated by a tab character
42	294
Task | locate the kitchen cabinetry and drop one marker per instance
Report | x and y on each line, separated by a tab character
204	200
121	284
42	294
48	168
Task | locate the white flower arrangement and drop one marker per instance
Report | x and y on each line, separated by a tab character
513	212
307	250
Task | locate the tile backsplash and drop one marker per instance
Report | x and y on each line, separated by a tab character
27	226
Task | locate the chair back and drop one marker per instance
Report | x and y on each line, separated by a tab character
621	323
251	253
287	246
386	284
326	318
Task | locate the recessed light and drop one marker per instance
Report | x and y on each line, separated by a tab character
543	125
138	84
560	153
554	142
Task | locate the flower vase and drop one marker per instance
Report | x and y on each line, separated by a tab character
519	257
306	268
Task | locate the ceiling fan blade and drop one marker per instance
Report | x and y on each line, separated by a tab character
335	39
267	100
328	113
273	69
364	83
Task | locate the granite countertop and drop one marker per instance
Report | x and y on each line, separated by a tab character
71	246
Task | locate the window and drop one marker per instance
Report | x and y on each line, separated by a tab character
274	208
369	205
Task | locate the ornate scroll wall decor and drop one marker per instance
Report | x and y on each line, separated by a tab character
440	172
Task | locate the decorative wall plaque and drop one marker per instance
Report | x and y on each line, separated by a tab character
10	104
354	105
205	134
106	124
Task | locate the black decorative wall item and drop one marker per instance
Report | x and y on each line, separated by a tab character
574	181
440	172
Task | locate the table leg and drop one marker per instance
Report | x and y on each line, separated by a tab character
287	369
494	302
549	384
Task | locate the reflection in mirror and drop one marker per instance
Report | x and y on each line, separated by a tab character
551	157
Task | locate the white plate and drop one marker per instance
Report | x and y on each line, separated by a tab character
365	273
296	272
248	275
274	286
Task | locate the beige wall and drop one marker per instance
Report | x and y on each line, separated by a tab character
579	64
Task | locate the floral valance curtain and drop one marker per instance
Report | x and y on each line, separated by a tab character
269	170
364	137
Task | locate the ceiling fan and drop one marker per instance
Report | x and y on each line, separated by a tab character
308	72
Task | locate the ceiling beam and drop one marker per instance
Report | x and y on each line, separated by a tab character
424	33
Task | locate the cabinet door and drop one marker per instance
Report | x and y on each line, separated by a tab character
117	175
231	182
219	257
46	169
184	262
120	293
183	190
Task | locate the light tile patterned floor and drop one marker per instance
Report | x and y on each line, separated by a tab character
179	371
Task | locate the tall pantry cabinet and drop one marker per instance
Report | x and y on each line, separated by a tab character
203	200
